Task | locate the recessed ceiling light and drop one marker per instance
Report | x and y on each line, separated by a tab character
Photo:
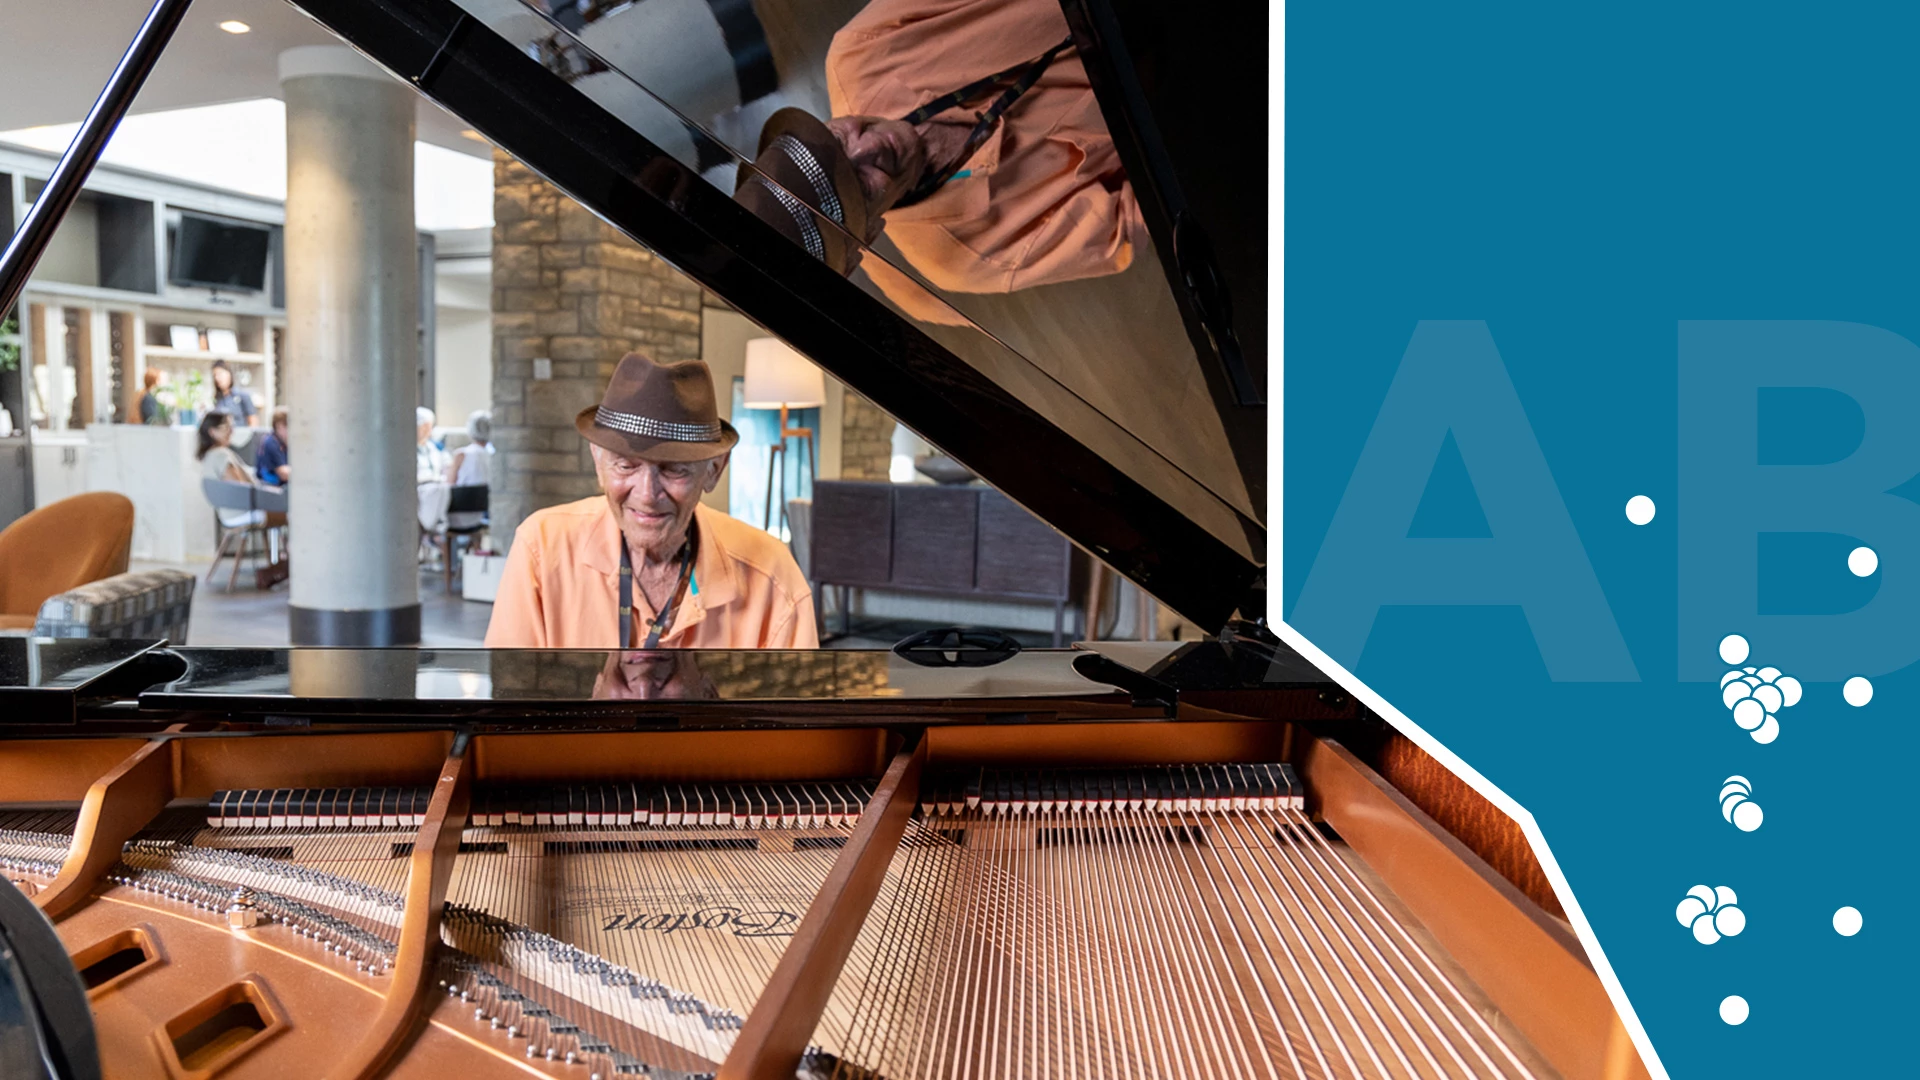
235	26
474	135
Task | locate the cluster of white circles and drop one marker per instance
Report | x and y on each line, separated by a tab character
1737	805
1755	694
1711	914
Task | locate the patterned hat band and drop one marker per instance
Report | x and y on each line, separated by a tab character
810	237
647	426
810	167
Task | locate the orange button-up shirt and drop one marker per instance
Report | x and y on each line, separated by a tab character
1044	199
561	587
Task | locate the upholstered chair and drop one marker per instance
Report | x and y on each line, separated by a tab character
59	547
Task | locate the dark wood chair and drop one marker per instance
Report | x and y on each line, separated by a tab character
462	499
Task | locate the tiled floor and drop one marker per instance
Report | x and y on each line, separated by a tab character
248	616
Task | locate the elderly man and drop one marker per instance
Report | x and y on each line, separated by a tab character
969	132
646	565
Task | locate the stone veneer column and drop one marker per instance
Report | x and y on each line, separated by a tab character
573	290
353	339
866	440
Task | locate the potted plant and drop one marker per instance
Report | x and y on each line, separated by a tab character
196	398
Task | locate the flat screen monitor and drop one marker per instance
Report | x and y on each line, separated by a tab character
219	253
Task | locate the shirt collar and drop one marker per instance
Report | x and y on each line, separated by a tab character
713	570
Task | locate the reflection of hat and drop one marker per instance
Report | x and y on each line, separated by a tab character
812	173
658	412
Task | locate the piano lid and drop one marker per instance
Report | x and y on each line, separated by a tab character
518	684
1074	385
819	686
42	679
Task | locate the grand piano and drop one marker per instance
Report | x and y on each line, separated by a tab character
952	858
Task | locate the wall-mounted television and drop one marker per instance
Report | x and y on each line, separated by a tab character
219	253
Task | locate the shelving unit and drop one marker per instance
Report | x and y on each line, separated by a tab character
254	363
94	316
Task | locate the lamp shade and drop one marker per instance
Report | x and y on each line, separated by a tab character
777	375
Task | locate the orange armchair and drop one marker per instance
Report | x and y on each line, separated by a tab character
60	547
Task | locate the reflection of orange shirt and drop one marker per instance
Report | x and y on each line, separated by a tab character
561	586
1045	198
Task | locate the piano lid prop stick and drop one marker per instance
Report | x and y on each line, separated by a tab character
430	871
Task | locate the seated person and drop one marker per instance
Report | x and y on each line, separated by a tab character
218	461
694	577
429	460
271	461
430	479
472	466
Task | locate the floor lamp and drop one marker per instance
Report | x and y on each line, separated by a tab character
779	378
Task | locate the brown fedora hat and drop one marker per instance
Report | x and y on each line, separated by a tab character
810	174
658	412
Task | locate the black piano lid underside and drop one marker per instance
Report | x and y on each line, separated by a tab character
1183	89
642	190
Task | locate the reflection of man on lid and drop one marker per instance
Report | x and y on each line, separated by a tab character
646	565
966	129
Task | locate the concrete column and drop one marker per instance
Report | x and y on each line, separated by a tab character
352	339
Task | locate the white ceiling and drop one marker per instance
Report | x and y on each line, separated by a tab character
55	57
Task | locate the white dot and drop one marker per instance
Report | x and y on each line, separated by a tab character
1639	509
1748	816
1769	730
1748	713
1857	691
1690	909
1733	1009
1789	690
1847	921
1863	562
1733	649
1703	931
1730	921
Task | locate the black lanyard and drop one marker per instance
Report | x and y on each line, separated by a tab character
664	619
1022	77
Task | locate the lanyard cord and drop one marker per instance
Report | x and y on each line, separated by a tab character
1022	77
664	620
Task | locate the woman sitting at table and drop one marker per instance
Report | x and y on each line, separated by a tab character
219	461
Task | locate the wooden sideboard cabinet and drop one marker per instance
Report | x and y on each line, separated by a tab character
962	542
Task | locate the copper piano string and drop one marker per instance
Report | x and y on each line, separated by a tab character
1198	939
1306	918
1330	920
581	891
1202	984
1387	926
